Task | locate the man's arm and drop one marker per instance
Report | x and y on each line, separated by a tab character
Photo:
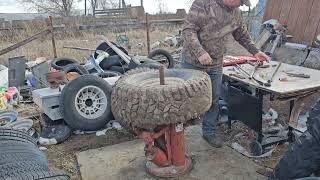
194	21
243	37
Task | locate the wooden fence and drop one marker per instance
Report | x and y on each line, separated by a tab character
301	16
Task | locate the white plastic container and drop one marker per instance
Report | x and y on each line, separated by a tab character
4	82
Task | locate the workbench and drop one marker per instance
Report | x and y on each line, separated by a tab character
245	96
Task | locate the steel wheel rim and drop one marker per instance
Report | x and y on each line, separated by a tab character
91	102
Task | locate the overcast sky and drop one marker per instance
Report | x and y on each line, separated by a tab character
11	6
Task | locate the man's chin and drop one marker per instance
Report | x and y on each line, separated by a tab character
233	7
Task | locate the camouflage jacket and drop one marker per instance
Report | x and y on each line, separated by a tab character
208	24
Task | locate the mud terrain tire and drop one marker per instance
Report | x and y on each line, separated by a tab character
138	100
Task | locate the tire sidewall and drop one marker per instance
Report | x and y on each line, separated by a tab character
71	115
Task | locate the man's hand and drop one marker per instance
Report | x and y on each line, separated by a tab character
205	59
262	56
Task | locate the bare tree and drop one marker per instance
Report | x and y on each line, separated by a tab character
58	7
162	7
93	4
107	4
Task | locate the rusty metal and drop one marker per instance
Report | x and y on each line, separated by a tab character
169	171
56	78
157	156
177	144
148	32
161	75
169	160
50	27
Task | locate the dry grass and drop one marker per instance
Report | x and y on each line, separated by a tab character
86	39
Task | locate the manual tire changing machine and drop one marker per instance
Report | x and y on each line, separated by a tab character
165	148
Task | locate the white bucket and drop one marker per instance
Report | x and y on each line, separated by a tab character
4	82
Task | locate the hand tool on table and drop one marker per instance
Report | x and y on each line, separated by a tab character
274	74
299	75
244	72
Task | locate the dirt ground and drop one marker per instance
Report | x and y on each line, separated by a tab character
62	156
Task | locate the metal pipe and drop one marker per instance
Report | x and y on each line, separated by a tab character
177	144
148	32
161	75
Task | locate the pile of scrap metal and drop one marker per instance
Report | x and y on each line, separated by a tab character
79	96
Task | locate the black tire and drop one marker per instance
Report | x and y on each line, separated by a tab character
21	167
106	48
107	74
301	160
79	120
111	61
161	52
120	69
138	99
47	121
60	132
8	116
15	135
15	152
60	63
37	175
75	68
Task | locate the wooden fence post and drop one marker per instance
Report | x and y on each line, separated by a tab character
50	27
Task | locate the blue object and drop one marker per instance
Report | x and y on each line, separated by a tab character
94	63
257	22
32	80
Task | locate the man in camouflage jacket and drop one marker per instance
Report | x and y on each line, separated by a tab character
208	24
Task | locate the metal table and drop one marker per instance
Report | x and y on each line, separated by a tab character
245	96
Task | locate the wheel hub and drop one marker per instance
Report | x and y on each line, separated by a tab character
91	102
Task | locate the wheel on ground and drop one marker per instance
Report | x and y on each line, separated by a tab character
37	175
8	134
86	103
60	63
58	130
106	48
111	61
21	167
138	99
15	151
162	56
